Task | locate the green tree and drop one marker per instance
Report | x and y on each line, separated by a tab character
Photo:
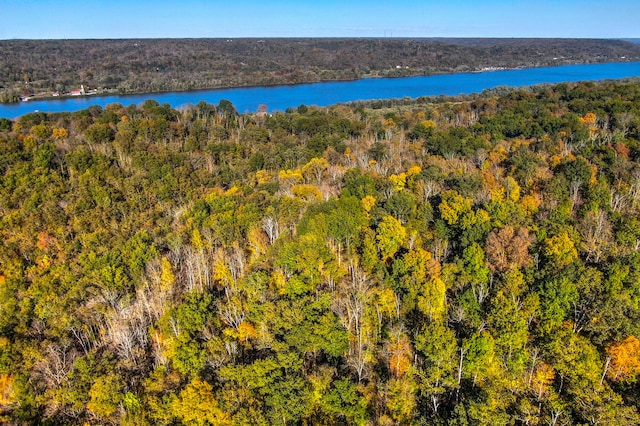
438	374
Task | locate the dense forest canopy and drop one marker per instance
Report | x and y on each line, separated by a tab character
449	261
42	67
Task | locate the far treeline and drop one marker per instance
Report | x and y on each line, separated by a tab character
44	67
461	261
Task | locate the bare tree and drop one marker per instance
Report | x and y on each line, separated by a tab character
350	307
271	227
596	232
574	193
56	364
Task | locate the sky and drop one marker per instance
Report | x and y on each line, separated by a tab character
60	19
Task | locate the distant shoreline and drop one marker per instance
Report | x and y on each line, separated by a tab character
139	66
115	92
282	97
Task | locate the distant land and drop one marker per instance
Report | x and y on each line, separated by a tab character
50	68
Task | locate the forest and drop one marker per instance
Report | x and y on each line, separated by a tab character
44	67
442	261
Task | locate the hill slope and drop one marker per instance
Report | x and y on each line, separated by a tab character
151	65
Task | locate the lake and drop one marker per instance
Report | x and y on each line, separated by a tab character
247	99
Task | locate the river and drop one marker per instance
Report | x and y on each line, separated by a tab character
247	99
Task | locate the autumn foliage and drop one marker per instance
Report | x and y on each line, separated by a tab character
469	260
625	359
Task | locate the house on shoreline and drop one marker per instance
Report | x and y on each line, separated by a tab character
80	92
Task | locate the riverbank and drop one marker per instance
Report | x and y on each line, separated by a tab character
52	96
178	65
248	99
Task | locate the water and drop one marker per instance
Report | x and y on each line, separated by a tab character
323	94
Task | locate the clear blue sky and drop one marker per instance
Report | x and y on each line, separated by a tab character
36	19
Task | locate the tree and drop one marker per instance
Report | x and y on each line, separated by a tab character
453	206
624	359
557	299
339	400
106	395
390	236
576	362
596	233
313	171
276	382
196	405
401	398
438	371
508	323
400	354
481	363
7	396
182	327
506	248
560	250
402	205
472	279
99	133
60	133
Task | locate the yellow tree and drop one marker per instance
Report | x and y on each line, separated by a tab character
624	359
560	249
106	396
454	206
60	133
196	405
390	236
589	120
7	398
314	169
398	182
401	399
